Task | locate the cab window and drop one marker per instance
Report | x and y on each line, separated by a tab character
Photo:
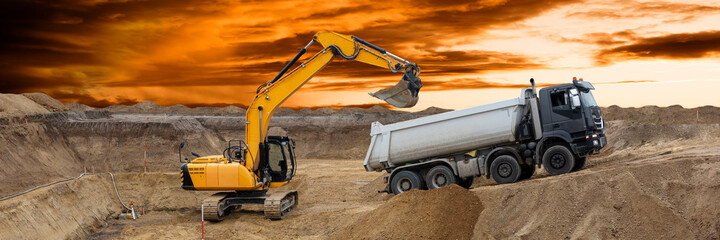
277	161
560	100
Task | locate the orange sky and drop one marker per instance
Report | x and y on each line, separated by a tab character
101	52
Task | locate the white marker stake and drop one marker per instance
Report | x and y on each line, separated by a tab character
202	220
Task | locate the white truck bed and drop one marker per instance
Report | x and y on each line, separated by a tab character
443	134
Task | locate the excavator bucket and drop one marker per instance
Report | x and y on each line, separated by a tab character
404	94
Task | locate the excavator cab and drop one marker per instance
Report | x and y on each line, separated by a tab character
281	159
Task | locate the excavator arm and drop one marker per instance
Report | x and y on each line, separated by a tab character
273	93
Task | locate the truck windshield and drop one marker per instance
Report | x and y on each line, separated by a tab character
588	99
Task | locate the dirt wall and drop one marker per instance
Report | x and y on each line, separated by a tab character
71	210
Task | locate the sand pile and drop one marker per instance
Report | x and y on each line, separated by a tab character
444	213
16	104
674	114
79	107
434	110
626	135
47	102
669	199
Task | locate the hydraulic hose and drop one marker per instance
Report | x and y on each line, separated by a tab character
65	180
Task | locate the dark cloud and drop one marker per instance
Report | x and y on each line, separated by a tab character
62	47
474	83
673	46
605	39
671	12
433	29
435	64
80	96
428	85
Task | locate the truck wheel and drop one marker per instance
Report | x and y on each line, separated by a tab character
527	171
440	176
466	183
505	169
405	181
579	163
558	160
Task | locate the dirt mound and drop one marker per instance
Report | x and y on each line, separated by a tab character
434	110
626	137
674	114
444	213
146	106
378	108
179	108
16	104
325	110
350	110
51	104
79	107
668	199
284	111
233	109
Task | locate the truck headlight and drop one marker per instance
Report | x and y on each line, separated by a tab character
595	142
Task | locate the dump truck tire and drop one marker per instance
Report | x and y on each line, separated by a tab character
440	176
558	160
405	181
505	169
466	183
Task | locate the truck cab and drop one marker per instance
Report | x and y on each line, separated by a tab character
569	114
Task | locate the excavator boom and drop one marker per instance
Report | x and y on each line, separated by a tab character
270	95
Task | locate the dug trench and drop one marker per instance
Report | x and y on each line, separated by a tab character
656	180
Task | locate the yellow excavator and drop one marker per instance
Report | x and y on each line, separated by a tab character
247	169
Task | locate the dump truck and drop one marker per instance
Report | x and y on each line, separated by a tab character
505	140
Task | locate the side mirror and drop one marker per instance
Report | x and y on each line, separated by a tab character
182	144
574	98
195	154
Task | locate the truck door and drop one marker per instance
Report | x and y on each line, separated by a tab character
564	117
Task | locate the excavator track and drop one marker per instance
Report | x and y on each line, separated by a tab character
280	204
276	206
215	207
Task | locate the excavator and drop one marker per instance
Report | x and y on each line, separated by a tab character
247	169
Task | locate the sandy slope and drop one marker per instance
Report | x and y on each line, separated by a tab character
657	179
